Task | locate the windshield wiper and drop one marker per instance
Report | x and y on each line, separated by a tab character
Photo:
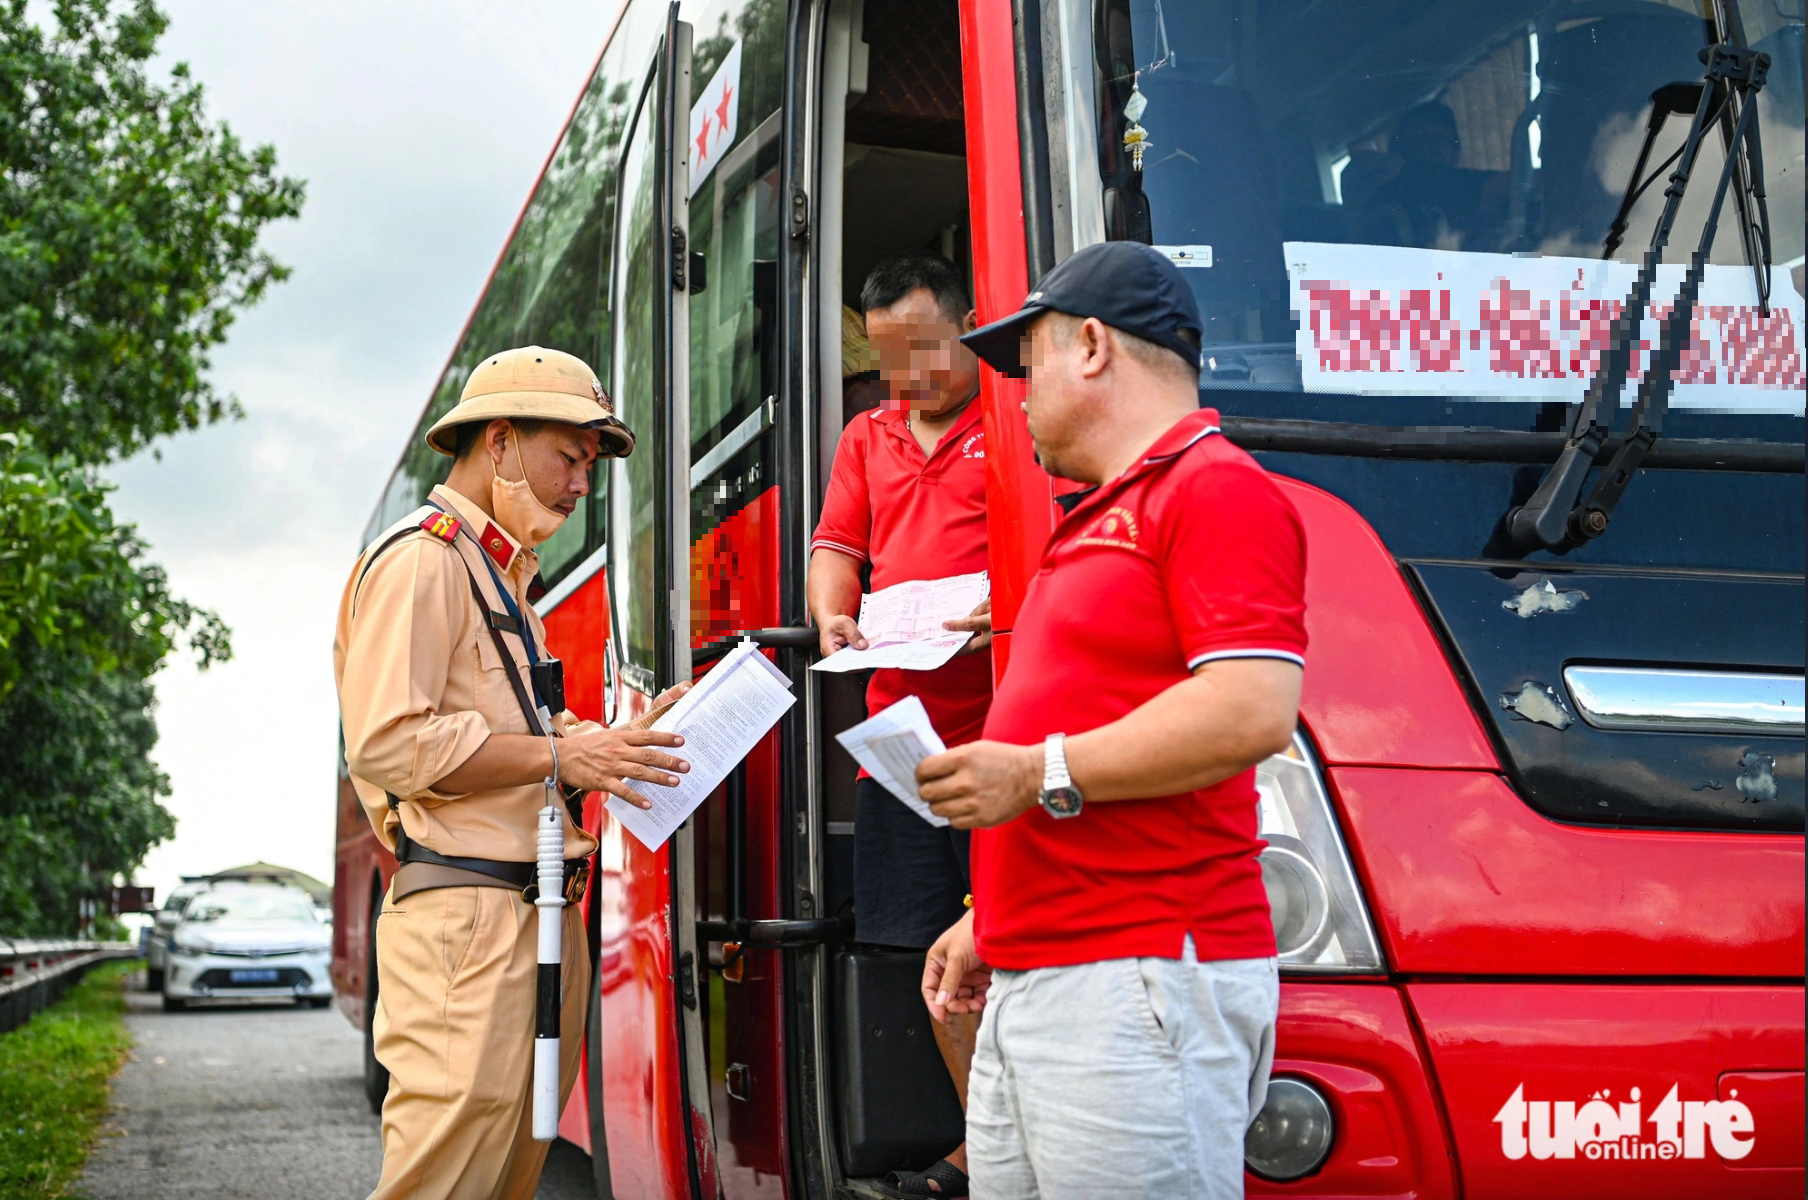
1552	519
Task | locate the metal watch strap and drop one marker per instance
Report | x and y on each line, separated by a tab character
1054	763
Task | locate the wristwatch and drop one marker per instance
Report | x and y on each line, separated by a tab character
1059	797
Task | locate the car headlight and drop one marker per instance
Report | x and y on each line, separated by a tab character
1320	921
189	944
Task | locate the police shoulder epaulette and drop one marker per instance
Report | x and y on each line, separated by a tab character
441	525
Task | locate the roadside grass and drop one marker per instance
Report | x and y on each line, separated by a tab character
53	1084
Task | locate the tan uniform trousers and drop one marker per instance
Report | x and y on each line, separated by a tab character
455	1027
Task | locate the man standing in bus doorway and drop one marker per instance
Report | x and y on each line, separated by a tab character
435	659
1129	1022
907	499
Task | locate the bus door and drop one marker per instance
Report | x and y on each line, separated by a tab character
888	173
656	1120
731	966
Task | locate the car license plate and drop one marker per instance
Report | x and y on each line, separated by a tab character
264	975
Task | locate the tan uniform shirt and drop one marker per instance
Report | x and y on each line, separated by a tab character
421	686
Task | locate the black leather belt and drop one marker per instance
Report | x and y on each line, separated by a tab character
521	875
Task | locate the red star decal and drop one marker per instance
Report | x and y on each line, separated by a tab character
722	108
703	140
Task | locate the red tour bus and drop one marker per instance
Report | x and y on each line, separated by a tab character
1536	858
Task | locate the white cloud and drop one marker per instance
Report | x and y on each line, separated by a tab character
419	129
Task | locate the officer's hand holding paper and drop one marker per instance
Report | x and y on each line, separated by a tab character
721	719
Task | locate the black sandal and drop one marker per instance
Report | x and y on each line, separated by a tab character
950	1178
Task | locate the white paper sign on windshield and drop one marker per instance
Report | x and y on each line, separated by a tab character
1398	321
714	117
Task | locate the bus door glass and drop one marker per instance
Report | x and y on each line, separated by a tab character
732	150
646	954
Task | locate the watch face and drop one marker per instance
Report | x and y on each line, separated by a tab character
1062	801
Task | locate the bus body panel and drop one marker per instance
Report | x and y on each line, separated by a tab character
752	1148
735	586
1378	686
642	1094
1616	1051
1355	1041
1463	877
577	630
1019	498
361	871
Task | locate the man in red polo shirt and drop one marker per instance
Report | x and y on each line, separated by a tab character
1120	941
907	499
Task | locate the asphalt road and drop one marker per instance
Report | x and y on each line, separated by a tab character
262	1101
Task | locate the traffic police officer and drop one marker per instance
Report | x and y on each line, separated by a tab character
449	734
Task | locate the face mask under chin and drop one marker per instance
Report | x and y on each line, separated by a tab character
519	511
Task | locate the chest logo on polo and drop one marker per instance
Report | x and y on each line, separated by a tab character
974	446
441	525
1115	527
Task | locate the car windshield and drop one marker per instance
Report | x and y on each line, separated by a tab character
1395	210
251	906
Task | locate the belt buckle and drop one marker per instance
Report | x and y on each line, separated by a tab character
577	883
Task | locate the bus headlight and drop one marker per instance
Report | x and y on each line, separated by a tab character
1320	921
1291	1137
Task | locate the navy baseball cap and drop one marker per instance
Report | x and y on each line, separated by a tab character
1127	285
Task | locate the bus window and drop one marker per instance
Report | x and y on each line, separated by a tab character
548	290
635	492
737	73
563	246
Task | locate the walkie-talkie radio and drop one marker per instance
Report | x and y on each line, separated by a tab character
548	676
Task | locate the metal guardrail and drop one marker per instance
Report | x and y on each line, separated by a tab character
34	973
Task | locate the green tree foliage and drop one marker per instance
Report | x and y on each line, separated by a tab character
85	622
129	230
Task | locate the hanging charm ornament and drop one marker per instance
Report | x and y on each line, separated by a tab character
1136	138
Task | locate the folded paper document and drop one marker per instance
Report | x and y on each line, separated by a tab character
721	719
902	624
891	745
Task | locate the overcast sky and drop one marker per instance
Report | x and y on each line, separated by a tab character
419	128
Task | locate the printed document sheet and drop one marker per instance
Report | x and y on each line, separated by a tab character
891	745
721	719
902	624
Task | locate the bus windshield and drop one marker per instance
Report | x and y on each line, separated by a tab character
1395	211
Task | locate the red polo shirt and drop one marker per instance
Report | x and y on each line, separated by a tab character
913	517
1191	555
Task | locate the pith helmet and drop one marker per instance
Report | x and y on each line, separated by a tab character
539	384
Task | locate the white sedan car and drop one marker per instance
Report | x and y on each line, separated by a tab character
244	941
156	943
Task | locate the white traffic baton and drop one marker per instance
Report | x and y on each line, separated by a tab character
550	903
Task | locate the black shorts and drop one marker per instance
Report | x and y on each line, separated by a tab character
910	877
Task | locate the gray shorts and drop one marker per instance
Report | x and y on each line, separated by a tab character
1131	1077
